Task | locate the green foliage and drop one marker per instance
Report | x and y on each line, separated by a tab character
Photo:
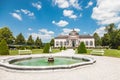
61	48
106	40
112	37
7	35
22	47
20	40
118	47
4	48
97	39
29	47
46	48
30	41
52	42
38	42
117	40
64	48
81	48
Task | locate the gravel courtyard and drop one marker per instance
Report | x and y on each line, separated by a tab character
105	68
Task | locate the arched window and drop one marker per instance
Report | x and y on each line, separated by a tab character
57	43
65	43
91	43
61	43
86	43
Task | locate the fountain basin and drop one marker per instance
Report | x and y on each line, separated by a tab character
68	62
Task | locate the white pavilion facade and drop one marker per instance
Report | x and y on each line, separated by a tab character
73	40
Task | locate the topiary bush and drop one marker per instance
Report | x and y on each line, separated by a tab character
81	48
61	48
64	48
4	48
46	48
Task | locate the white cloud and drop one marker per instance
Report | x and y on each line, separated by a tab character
17	16
106	12
66	31
61	23
90	3
67	3
75	4
30	29
61	3
69	13
100	31
27	12
44	34
17	11
37	5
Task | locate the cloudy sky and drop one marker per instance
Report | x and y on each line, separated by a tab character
50	18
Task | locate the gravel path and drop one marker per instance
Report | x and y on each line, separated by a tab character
106	68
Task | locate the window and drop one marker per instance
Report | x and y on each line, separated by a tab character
65	43
86	43
57	43
91	43
61	43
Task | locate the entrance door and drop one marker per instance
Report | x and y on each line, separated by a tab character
73	43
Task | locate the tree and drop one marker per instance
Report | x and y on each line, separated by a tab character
117	39
4	48
38	42
81	48
46	48
97	39
30	41
112	31
7	35
110	28
52	42
20	40
106	40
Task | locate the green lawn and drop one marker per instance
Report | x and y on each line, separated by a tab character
112	53
108	52
34	51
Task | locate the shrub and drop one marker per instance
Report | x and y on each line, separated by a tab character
4	48
81	48
22	47
64	48
46	48
118	47
60	48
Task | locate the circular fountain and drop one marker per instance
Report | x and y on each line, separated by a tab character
45	62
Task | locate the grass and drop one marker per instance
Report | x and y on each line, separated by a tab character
112	53
34	51
107	52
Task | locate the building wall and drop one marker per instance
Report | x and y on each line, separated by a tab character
89	42
59	42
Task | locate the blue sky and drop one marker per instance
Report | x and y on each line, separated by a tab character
50	18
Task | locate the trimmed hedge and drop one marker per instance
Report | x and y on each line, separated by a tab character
4	48
46	48
81	48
